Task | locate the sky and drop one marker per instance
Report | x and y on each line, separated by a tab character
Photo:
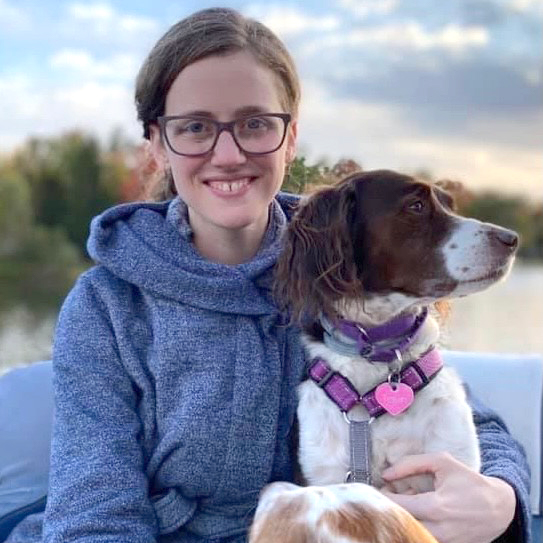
452	87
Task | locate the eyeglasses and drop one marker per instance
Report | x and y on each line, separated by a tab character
196	136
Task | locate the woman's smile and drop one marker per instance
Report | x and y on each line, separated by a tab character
236	186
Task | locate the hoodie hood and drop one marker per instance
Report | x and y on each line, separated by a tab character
149	245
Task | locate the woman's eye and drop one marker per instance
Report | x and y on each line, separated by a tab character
416	207
190	128
255	123
195	127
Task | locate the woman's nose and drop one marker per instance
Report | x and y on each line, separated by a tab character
226	150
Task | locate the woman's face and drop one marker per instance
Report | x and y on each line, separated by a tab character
226	189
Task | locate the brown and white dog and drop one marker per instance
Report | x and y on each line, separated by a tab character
364	260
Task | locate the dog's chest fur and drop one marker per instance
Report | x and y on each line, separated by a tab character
438	420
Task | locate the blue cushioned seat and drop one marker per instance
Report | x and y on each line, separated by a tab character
26	414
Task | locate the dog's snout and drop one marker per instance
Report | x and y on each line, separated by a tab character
508	238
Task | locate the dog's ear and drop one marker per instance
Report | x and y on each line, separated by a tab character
316	267
361	522
285	520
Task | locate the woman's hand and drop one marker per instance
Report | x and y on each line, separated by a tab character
465	506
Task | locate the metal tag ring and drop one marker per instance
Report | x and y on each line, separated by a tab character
349	421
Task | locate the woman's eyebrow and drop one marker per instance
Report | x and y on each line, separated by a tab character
196	113
240	112
250	110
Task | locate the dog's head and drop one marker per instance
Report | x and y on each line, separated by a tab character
386	239
331	514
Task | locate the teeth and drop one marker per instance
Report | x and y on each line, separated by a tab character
229	186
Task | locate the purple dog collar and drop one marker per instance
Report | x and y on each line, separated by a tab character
405	328
379	343
404	325
343	393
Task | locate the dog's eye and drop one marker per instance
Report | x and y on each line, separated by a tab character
416	207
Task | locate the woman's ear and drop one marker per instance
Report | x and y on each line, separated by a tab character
157	147
292	135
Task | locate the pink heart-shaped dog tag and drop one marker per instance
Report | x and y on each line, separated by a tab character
395	399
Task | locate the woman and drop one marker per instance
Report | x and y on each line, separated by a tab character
174	376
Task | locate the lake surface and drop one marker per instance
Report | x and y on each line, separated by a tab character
507	318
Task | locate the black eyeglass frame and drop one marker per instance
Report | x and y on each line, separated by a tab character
221	127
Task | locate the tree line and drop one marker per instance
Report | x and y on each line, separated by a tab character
50	188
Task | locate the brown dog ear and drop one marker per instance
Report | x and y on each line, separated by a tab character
316	267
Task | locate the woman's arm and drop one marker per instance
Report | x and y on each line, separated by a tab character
503	457
98	490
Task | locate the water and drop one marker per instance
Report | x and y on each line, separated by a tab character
506	318
25	336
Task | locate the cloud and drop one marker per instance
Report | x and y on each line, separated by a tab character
91	12
101	20
458	88
121	66
92	107
77	72
286	20
404	36
12	19
523	6
72	59
380	135
361	9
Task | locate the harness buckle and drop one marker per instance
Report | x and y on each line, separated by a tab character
324	381
350	421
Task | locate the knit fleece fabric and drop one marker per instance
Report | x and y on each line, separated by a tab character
175	387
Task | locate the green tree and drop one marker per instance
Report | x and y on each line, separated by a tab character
80	172
35	260
71	180
303	177
115	173
15	210
39	166
300	176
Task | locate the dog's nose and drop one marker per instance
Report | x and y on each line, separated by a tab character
506	238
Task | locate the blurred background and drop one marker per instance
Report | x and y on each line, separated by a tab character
444	90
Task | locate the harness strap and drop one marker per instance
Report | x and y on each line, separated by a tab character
360	452
343	393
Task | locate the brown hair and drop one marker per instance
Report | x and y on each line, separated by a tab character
209	32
